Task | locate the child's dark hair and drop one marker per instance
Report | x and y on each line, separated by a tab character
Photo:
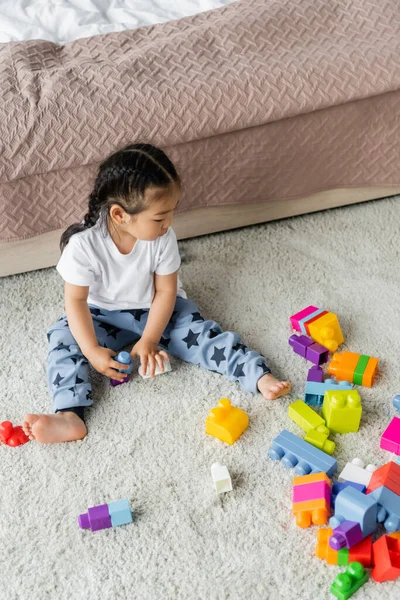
123	179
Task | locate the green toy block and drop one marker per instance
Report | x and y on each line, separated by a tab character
342	410
346	584
343	557
360	368
307	418
320	440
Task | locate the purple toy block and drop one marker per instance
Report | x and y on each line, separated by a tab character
317	354
338	486
96	518
115	382
348	534
300	344
312	491
390	439
315	374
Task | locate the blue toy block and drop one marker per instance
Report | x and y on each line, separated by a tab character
120	512
396	401
125	359
353	505
300	455
388	508
338	486
314	392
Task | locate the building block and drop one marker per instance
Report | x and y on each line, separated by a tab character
353	505
356	368
308	349
125	359
320	440
338	486
311	499
314	392
167	369
386	553
346	584
226	422
323	549
395	401
306	418
346	535
298	454
342	410
356	472
311	491
395	534
221	478
326	331
311	511
96	518
120	512
302	315
11	435
390	439
387	475
361	552
343	557
388	507
316	374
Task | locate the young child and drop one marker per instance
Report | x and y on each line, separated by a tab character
120	267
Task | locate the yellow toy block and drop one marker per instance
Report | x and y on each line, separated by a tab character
306	417
326	331
226	422
342	410
320	440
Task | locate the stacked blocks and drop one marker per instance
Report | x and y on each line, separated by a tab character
315	391
342	410
384	487
226	422
319	324
386	559
338	486
356	368
311	499
125	359
346	584
352	508
308	349
390	439
106	515
361	552
313	425
298	454
356	472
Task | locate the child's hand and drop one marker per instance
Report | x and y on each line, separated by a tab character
101	359
149	354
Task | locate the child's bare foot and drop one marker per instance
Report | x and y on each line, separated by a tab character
271	388
48	429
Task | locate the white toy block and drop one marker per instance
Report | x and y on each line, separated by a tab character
221	478
356	472
167	369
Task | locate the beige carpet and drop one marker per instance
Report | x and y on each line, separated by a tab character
146	439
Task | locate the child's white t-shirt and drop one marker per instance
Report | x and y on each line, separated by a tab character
118	281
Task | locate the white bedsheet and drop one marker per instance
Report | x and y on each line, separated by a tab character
66	20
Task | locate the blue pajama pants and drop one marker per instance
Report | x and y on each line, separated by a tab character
187	336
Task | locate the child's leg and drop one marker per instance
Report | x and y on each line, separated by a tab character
200	341
68	375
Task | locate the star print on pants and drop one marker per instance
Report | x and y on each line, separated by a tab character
79	380
218	355
263	367
213	333
111	330
96	312
137	313
196	316
239	346
239	370
62	346
164	341
58	379
191	339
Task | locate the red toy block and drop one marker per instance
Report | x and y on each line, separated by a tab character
362	552
386	552
12	436
388	476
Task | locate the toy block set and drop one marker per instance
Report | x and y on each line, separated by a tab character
106	515
311	499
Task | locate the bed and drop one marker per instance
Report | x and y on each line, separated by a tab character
268	108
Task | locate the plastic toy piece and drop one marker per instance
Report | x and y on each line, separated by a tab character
346	584
361	552
167	369
308	349
320	440
226	422
311	499
390	439
342	410
125	359
221	478
386	552
319	324
396	401
298	454
357	368
346	535
338	486
387	475
106	515
315	374
306	418
395	535
353	505
12	436
356	472
389	507
314	392
323	549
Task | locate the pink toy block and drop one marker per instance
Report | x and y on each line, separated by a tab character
294	320
390	439
312	491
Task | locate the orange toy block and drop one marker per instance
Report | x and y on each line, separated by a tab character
326	331
395	535
311	511
370	372
313	478
356	368
362	552
226	422
323	549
